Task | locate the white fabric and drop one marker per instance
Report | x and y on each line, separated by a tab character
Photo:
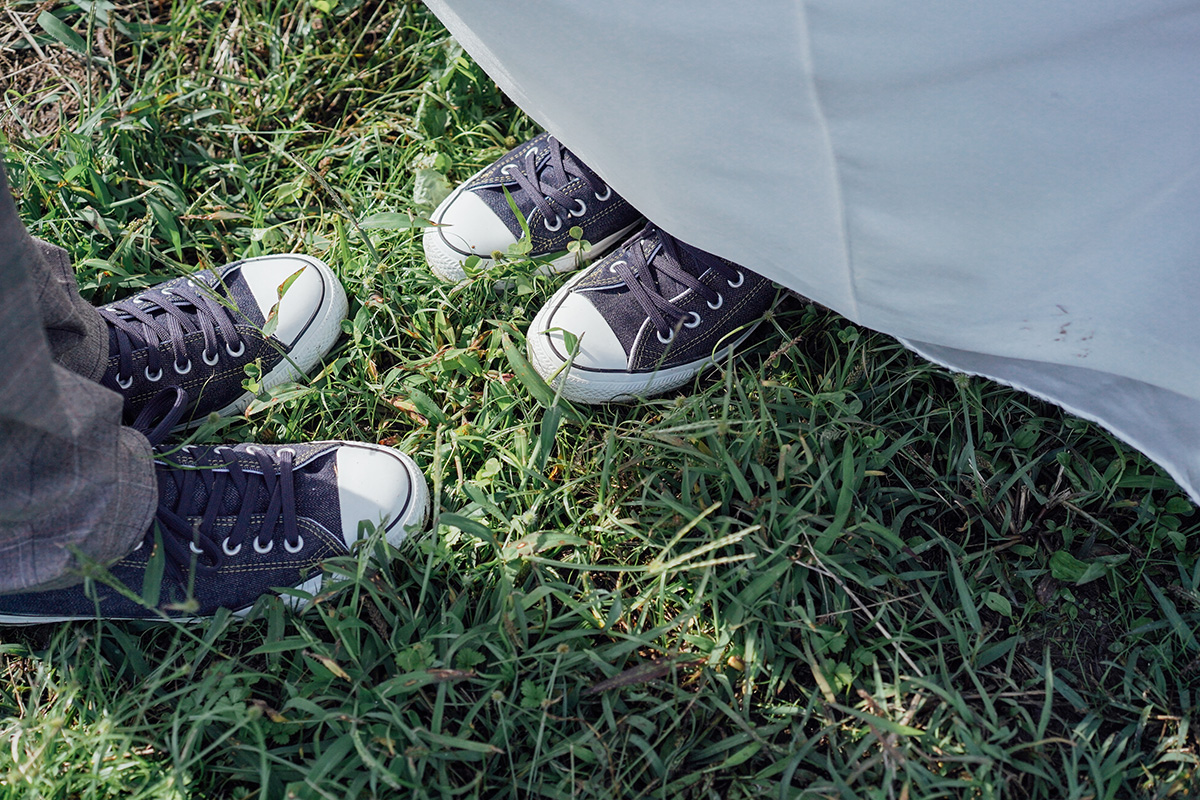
1011	188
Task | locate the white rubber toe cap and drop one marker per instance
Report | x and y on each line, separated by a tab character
599	347
302	301
465	226
309	317
381	486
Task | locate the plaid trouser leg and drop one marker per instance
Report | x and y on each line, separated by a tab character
71	476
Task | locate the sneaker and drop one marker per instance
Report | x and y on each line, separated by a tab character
554	191
646	319
234	523
198	333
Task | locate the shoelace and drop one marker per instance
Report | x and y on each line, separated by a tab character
641	272
547	196
200	491
145	321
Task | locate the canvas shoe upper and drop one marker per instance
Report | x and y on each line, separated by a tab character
647	318
554	191
199	332
235	522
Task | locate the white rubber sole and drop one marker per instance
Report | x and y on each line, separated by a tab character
413	517
593	388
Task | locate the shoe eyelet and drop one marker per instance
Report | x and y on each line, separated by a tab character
156	377
667	340
613	266
215	358
139	545
225	548
557	224
582	209
504	170
194	549
260	549
741	279
288	450
241	349
607	194
184	371
720	302
299	545
125	384
252	449
695	320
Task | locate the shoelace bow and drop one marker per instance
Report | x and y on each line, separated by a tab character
266	497
545	195
145	321
641	273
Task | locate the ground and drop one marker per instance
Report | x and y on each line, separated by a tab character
826	569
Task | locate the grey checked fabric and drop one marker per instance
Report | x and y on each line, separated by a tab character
71	476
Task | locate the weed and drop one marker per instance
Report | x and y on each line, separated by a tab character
827	569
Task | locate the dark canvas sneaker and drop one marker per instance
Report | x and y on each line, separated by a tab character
647	319
234	523
554	191
199	332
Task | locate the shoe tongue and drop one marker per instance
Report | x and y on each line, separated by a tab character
668	287
550	175
236	289
317	475
231	500
168	492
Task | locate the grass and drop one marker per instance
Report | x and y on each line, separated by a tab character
826	570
